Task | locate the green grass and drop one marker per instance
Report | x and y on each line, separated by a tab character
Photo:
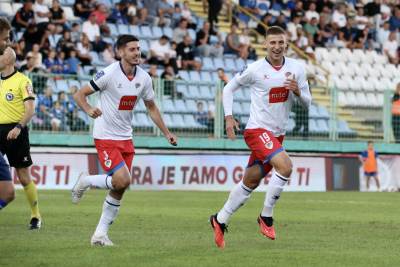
171	229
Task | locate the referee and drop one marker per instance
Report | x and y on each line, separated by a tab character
17	106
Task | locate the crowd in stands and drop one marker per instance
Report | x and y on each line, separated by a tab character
353	24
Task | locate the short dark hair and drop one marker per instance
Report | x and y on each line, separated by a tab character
4	24
370	142
275	30
124	39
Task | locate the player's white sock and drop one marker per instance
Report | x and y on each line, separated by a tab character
275	187
102	181
110	212
238	196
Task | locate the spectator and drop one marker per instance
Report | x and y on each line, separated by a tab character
311	12
311	28
233	44
169	81
76	123
214	7
58	117
185	52
73	63
203	46
161	52
24	16
325	34
396	114
43	111
302	40
373	8
390	48
101	14
83	8
91	28
394	20
71	102
360	19
324	5
58	16
165	11
108	54
280	21
201	115
383	34
50	62
99	45
153	71
298	10
222	76
42	14
345	35
362	39
251	7
339	17
180	31
187	14
19	49
267	20
76	33
83	48
65	43
118	14
31	36
36	55
292	28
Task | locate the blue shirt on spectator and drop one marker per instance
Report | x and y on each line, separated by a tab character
394	23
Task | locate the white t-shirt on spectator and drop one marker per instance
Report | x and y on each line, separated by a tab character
160	50
390	47
91	30
382	35
363	19
42	9
292	29
339	19
312	14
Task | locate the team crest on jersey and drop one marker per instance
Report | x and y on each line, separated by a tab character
287	74
108	163
269	145
137	85
9	96
99	75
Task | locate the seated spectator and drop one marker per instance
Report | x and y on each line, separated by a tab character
339	17
180	31
187	14
99	45
169	81
71	102
83	8
345	35
65	43
302	40
251	7
311	28
311	12
50	62
153	71
267	20
233	45
75	123
361	21
58	117
42	14
24	16
102	13
201	115
394	20
43	110
31	36
108	54
390	48
383	34
91	28
185	52
325	32
222	76
161	52
36	55
83	48
57	16
76	33
19	49
203	46
362	39
119	14
73	63
280	21
165	11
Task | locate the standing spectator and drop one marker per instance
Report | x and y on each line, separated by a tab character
222	76
42	14
390	47
83	8
90	28
57	16
180	31
169	81
396	114
186	51
203	46
24	16
368	159
214	7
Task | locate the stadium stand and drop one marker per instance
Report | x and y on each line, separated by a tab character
348	83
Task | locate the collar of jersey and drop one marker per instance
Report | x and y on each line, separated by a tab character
122	69
276	68
9	76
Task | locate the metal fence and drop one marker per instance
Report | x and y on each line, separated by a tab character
194	109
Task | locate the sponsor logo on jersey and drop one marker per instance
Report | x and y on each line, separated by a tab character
278	94
9	96
127	102
287	74
29	89
99	75
137	85
269	145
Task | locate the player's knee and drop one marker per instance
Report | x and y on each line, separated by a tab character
121	183
285	169
9	195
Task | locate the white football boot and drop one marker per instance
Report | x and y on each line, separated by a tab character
79	188
102	241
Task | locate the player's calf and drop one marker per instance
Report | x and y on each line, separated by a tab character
7	193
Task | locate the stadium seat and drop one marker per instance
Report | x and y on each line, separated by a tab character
194	76
219	63
342	99
323	112
157	32
351	99
312	126
16	7
205	92
146	32
313	112
191	106
343	127
113	29
144	46
230	64
208	64
205	76
168	32
184	74
167	105
290	125
72	82
180	106
366	70
380	99
361	99
244	119
182	88
177	121
123	29
246	108
322	125
139	106
372	100
143	120
191	122
61	85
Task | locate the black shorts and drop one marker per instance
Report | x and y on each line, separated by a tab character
18	150
5	174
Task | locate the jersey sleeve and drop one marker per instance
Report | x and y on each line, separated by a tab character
100	80
26	89
148	92
305	95
245	76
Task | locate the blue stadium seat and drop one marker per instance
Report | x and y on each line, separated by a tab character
96	59
168	32
74	83
61	85
157	32
177	121
168	105
312	126
168	120
194	76
343	127
205	92
323	112
192	34
290	125
191	122
313	112
143	120
134	29
208	64
191	105
219	63
146	32
184	74
193	92
144	46
113	29
246	108
323	125
180	106
237	108
123	29
182	88
230	64
205	76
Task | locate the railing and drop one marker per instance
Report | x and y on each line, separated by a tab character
194	109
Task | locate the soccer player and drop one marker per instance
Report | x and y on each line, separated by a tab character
17	106
274	82
368	160
120	86
7	193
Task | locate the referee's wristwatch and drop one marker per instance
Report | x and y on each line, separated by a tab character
19	126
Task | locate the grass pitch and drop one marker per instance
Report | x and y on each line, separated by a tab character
171	229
